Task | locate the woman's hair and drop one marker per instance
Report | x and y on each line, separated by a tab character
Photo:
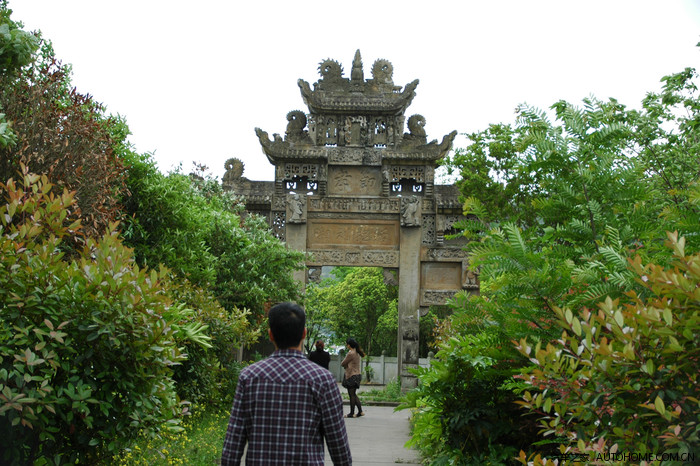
356	346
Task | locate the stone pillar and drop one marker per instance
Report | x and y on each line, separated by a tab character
295	234
409	304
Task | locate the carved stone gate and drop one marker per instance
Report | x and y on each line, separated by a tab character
352	189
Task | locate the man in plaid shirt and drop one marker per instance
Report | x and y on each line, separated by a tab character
285	405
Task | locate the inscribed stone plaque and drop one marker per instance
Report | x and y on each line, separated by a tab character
341	204
441	275
370	234
358	181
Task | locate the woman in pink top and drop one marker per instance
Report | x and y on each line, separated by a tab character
353	376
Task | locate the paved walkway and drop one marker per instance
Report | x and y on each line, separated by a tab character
378	437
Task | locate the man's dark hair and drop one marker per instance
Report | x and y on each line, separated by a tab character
287	322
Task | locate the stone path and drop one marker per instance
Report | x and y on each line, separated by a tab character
378	438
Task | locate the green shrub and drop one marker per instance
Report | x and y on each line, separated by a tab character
625	377
87	345
464	406
210	374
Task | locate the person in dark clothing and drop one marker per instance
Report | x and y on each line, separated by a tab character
319	356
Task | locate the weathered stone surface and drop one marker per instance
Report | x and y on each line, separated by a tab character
353	189
374	234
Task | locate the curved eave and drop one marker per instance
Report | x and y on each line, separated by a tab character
428	152
343	102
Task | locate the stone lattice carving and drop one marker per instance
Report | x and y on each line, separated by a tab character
410	211
279	225
403	172
428	236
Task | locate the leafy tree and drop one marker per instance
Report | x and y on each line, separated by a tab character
464	409
87	343
17	47
317	326
558	204
16	50
624	377
195	228
64	134
600	187
357	304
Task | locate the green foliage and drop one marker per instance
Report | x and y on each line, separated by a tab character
17	47
189	224
87	345
358	305
63	134
200	443
625	377
464	406
556	207
210	374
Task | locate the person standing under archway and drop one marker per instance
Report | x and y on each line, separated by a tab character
320	356
353	376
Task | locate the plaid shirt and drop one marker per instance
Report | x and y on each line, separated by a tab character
284	407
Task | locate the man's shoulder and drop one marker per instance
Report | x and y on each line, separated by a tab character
314	371
276	366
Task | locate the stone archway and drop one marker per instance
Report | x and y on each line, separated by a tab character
352	189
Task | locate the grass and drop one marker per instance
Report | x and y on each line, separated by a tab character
199	444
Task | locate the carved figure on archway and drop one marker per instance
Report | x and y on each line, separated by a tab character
410	211
296	208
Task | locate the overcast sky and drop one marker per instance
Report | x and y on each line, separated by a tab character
194	79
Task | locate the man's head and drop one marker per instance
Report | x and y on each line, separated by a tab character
287	325
319	345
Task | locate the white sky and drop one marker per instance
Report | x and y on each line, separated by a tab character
194	79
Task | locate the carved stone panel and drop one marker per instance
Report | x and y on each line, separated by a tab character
441	275
337	204
351	257
358	181
435	297
443	254
338	234
354	156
